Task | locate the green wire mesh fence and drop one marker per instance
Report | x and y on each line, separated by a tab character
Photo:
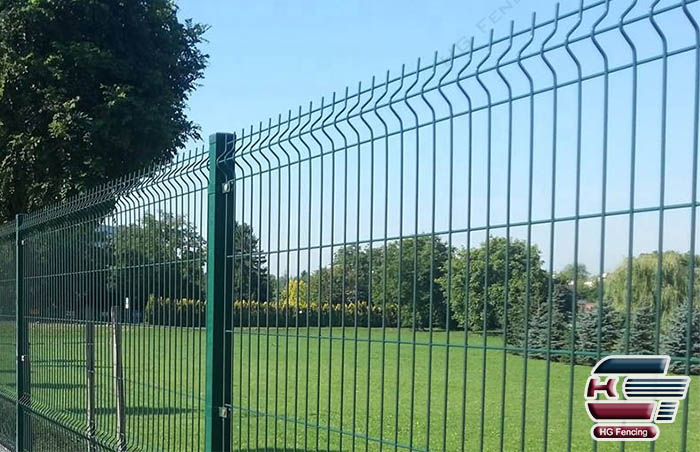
431	261
8	336
112	296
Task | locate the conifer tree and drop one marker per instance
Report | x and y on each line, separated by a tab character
587	332
642	330
676	340
539	334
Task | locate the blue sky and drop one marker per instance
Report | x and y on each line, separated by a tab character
267	57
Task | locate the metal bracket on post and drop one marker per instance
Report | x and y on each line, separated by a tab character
218	371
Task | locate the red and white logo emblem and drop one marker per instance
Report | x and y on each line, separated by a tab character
650	397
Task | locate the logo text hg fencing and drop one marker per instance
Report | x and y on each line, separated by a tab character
650	397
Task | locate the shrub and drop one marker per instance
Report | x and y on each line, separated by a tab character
272	314
181	312
186	312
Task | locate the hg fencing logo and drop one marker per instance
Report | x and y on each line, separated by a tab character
650	397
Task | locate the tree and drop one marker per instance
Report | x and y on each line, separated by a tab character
544	335
587	323
492	293
642	330
250	280
90	90
675	344
83	253
384	275
585	289
563	298
351	271
674	282
422	264
161	255
295	294
7	270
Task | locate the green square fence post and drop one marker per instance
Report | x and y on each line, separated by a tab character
217	405
22	440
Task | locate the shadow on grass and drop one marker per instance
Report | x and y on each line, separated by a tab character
58	361
58	364
136	411
287	450
67	364
63	386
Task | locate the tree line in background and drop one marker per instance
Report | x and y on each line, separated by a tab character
159	263
502	287
419	282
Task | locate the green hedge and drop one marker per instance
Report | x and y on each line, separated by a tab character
181	312
187	312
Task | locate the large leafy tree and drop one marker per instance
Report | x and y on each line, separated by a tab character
405	273
675	270
586	288
90	90
348	281
249	278
489	295
79	252
422	264
7	271
162	256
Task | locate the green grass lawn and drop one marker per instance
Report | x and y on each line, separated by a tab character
309	393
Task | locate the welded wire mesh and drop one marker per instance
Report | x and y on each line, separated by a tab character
429	261
432	260
7	311
8	375
49	436
128	256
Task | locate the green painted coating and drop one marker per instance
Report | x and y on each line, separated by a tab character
217	428
20	443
